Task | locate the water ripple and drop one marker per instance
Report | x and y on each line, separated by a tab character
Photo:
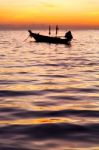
60	113
22	113
69	132
7	93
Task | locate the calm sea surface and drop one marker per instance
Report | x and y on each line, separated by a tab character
49	94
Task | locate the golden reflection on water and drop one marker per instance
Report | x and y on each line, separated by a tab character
74	120
23	104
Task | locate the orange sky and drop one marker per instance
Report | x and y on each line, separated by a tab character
79	13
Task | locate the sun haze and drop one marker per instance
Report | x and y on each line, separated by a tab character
71	13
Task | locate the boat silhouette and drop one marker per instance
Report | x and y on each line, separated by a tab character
52	39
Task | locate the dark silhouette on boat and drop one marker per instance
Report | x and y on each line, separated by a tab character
50	39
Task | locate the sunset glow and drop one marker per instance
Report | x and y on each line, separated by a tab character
76	13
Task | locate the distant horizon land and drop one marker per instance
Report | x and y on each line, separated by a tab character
45	27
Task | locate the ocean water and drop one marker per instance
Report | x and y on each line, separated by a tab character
49	94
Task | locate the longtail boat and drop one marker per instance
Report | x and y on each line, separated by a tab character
50	39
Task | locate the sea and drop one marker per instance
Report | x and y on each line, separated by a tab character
49	93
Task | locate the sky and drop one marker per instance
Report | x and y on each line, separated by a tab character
71	13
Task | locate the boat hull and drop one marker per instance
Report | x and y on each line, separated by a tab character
48	39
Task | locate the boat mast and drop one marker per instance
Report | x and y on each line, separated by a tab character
49	30
57	28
